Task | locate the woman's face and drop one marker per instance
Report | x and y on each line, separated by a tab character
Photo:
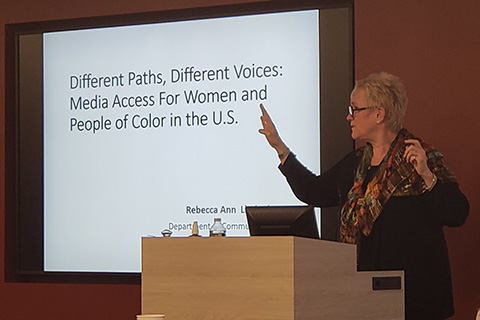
363	123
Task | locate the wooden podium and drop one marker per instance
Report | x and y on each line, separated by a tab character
264	278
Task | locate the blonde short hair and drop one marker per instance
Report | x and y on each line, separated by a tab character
387	91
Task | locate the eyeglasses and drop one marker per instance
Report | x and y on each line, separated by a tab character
352	110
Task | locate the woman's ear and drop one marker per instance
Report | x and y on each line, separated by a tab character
380	114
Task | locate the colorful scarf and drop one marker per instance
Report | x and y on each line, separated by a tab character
395	177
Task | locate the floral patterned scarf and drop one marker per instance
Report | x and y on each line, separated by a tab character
395	177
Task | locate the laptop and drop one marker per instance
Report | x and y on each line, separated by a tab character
297	221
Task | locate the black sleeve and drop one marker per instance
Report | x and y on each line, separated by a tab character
326	190
447	204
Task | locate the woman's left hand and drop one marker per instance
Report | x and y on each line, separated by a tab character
416	155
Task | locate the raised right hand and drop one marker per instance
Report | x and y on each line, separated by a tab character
270	132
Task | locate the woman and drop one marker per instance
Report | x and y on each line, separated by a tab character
396	194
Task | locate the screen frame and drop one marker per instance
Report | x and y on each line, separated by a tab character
21	230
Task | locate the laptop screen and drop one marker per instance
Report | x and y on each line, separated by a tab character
282	220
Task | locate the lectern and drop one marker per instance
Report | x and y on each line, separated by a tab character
264	278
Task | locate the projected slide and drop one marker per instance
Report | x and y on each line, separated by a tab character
153	127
